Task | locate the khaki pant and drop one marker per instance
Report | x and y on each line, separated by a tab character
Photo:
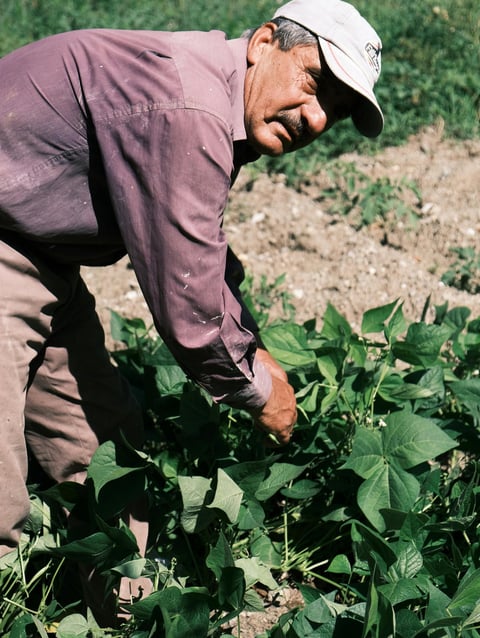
59	392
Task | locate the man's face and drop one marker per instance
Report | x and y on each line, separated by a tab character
290	97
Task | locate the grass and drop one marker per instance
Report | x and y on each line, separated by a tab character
431	57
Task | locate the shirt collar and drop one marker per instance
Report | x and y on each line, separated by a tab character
238	48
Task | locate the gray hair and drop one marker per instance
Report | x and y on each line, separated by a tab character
288	34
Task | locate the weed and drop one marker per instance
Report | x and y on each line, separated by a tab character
464	273
261	297
354	193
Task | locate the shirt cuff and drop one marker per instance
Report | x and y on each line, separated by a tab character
255	394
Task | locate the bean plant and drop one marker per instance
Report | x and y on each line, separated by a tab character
370	512
464	273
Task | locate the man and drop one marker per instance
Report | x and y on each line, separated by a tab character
115	142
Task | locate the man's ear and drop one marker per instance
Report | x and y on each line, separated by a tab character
262	37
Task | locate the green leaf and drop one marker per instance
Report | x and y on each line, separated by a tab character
199	500
390	487
410	439
74	626
93	549
467	392
302	489
231	589
169	379
309	594
441	623
368	542
220	556
126	330
194	490
408	623
374	320
318	611
67	493
437	605
24	625
457	318
340	565
253	602
409	562
256	572
407	392
397	324
113	461
185	612
131	569
434	380
250	474
379	617
382	456
422	344
400	591
267	551
288	345
307	397
19	627
335	325
474	617
330	360
228	496
468	592
366	457
280	474
251	514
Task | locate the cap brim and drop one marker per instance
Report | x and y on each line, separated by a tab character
367	116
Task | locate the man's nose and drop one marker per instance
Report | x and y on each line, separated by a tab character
315	117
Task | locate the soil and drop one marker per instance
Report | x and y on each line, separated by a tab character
274	229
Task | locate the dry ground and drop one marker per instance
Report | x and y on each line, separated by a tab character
275	230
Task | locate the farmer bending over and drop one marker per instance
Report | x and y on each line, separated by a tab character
127	142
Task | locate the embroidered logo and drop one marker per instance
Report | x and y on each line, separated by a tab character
373	55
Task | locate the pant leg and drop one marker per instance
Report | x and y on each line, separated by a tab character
26	309
77	398
54	369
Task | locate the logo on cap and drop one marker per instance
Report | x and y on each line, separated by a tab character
373	55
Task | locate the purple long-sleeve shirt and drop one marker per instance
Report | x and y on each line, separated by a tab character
115	142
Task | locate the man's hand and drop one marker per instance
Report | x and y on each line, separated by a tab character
272	366
279	414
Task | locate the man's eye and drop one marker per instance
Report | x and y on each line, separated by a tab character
316	79
322	88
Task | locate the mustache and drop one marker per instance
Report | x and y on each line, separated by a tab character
294	125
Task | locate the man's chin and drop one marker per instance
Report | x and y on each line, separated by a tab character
273	146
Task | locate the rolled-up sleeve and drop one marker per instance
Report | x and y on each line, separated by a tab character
168	171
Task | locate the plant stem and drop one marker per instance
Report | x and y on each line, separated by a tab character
52	580
22	607
285	533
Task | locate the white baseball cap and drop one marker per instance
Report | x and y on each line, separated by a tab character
351	48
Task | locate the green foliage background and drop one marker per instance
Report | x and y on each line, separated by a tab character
431	56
